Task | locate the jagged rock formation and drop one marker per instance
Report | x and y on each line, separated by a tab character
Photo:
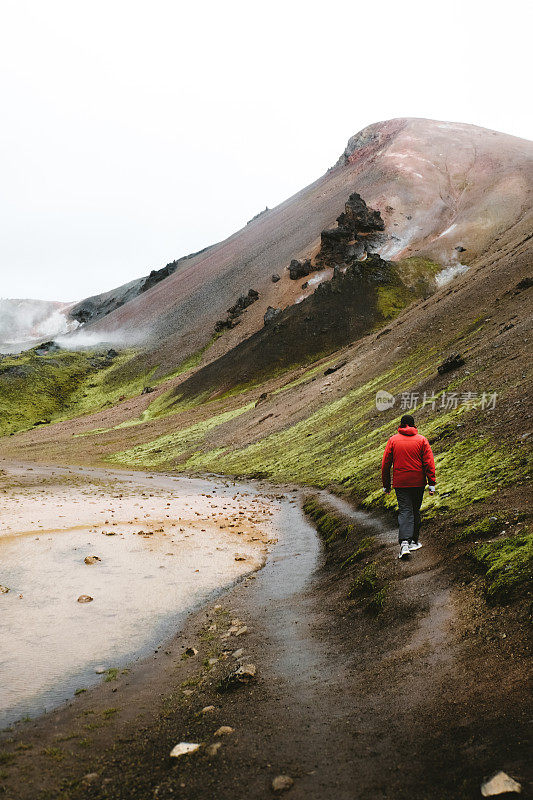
358	231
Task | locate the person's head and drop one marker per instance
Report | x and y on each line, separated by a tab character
407	421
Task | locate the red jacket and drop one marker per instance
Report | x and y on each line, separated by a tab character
409	453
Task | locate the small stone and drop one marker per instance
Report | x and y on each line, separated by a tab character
100	670
4	589
91	559
188	692
224	730
183	748
241	631
213	749
241	675
212	661
91	776
282	783
239	557
207	709
238	653
499	783
191	651
85	598
275	278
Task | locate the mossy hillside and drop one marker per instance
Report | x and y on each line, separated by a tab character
107	387
62	385
171	448
37	388
508	566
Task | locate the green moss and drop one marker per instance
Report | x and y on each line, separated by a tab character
37	388
481	529
363	549
508	562
172	446
367	582
58	386
111	674
391	300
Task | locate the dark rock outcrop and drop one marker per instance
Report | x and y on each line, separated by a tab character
449	364
236	310
359	230
275	278
299	269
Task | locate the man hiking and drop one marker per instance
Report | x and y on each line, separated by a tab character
413	466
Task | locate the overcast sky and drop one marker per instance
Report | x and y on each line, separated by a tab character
136	132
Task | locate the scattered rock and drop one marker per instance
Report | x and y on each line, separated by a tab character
270	315
236	310
275	278
112	353
247	673
47	347
183	748
4	589
261	399
499	783
213	749
191	651
241	631
460	249
238	653
91	776
299	269
100	670
91	559
282	783
239	557
148	390
207	709
330	370
452	362
85	598
212	661
224	730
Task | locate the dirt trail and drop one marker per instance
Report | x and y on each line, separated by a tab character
348	706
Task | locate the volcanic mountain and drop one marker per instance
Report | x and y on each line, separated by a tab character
445	192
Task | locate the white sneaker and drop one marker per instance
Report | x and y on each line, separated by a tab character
404	550
415	546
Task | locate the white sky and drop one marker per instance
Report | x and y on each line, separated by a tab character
135	132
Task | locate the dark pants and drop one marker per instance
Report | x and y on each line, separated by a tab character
409	502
